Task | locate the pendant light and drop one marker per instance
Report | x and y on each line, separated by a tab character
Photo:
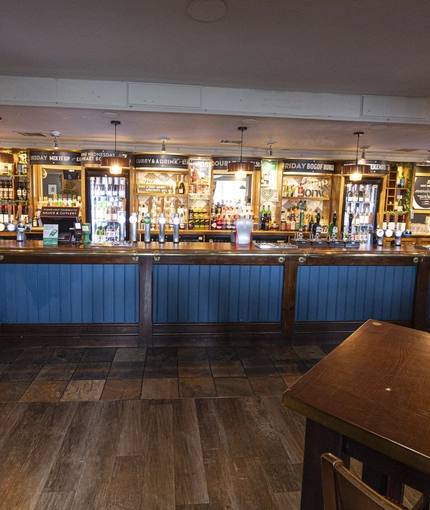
355	172
115	163
240	167
163	143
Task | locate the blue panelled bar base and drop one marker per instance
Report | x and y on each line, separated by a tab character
213	293
68	293
355	293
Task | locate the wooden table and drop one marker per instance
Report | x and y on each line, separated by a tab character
369	398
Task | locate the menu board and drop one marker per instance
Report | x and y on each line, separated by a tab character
421	196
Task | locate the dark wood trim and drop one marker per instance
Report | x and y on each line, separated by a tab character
68	335
421	303
289	299
186	334
329	332
145	301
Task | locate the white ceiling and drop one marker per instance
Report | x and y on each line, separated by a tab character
366	47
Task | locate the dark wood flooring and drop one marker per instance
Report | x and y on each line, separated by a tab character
151	429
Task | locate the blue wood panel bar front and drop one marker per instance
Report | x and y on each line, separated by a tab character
152	295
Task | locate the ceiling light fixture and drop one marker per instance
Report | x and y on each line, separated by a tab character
115	163
270	144
240	167
163	143
207	10
55	134
362	160
355	172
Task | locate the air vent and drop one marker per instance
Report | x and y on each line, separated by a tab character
230	142
30	134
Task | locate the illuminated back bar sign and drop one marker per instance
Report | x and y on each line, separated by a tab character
221	163
376	167
314	166
161	161
55	158
94	156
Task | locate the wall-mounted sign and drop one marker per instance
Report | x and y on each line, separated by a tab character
221	163
421	196
154	188
301	165
308	187
55	158
269	172
161	161
376	167
60	212
94	156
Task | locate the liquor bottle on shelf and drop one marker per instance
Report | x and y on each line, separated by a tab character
181	186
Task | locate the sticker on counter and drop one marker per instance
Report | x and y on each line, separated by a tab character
50	235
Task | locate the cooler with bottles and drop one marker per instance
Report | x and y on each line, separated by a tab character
107	206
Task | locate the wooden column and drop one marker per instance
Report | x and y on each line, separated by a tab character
145	301
289	298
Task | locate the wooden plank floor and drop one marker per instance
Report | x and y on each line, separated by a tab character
178	454
150	429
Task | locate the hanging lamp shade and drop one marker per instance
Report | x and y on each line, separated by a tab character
115	163
355	172
6	158
241	166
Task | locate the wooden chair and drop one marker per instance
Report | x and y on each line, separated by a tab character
344	491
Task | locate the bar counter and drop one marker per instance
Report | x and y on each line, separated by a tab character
205	293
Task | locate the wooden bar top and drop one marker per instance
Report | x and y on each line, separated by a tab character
36	248
375	389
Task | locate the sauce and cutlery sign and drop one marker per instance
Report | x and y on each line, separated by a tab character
421	196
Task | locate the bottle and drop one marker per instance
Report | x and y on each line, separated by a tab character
19	191
283	221
349	194
360	195
400	203
181	186
332	224
109	190
355	195
24	191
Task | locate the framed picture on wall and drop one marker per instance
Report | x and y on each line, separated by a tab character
52	189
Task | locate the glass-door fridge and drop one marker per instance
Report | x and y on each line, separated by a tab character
108	205
360	208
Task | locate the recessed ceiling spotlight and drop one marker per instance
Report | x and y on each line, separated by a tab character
378	127
248	121
110	115
207	11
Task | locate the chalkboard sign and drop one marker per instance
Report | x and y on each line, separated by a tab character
421	196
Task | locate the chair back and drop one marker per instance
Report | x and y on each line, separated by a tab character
344	491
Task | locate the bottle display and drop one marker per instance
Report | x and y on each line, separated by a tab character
303	198
107	205
14	192
360	211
